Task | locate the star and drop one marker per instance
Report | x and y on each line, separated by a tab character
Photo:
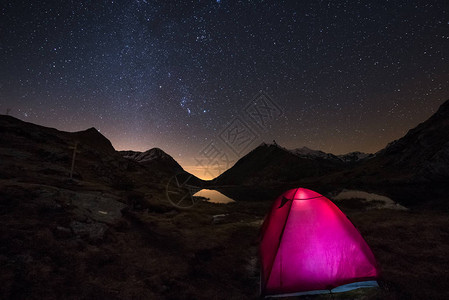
142	64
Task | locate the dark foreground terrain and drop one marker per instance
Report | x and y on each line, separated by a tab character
111	233
51	250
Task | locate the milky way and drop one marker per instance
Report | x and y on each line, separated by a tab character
342	75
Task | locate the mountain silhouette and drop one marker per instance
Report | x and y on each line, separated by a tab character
422	155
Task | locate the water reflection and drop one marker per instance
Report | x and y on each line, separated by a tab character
213	196
379	200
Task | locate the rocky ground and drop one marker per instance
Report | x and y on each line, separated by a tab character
72	244
111	233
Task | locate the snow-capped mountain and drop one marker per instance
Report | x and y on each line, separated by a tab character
355	156
305	152
154	157
272	164
350	157
152	154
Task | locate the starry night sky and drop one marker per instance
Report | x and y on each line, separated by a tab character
346	75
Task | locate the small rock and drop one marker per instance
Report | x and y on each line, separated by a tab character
94	231
63	232
217	219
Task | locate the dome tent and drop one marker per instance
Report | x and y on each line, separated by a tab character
308	246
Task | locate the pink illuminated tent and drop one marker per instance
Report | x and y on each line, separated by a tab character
309	246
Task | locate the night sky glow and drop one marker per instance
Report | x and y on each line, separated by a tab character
347	75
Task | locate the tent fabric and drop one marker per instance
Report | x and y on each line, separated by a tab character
309	246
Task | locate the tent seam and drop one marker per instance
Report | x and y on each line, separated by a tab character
280	238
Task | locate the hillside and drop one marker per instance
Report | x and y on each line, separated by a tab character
109	232
154	158
270	164
421	156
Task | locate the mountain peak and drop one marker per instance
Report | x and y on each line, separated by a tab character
156	150
94	138
154	158
150	154
273	144
92	129
305	152
355	156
